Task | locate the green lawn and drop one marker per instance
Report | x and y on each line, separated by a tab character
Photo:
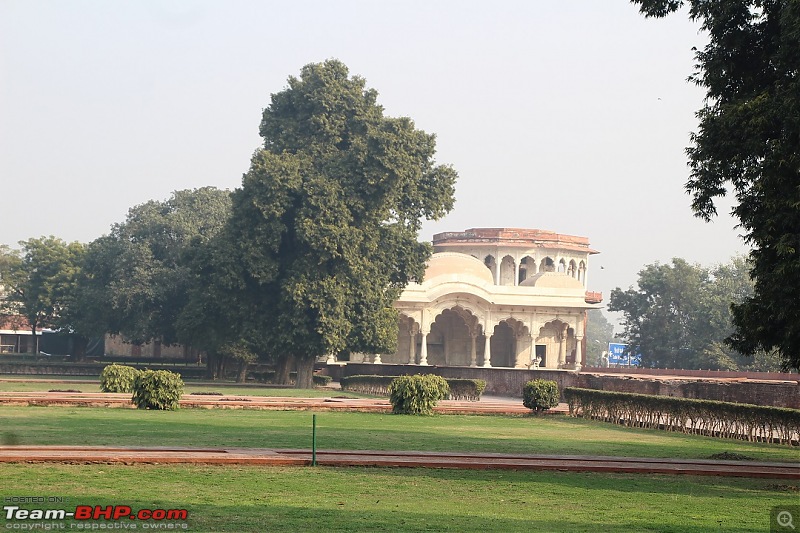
551	434
92	384
251	498
256	499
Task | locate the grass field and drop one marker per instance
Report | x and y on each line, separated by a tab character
255	499
551	434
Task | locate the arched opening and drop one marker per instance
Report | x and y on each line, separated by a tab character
582	272
507	269
572	269
553	344
491	264
527	268
407	337
511	344
547	265
504	345
449	342
562	266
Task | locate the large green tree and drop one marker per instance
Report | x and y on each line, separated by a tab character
39	281
680	314
748	145
327	218
136	280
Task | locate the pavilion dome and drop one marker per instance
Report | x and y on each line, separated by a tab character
552	280
457	266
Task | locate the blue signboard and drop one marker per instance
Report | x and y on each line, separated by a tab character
618	357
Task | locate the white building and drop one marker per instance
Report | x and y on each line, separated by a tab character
498	298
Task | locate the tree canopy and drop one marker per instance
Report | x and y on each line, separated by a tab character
679	315
748	145
327	218
136	279
39	280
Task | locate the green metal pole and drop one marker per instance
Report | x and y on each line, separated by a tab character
313	440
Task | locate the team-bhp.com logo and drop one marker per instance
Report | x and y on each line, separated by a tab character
89	513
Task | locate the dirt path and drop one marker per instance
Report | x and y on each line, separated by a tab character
478	461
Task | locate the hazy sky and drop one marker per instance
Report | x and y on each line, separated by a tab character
568	115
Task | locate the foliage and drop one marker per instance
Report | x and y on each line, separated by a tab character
40	280
418	394
748	145
324	228
460	389
321	380
118	378
137	279
157	389
375	385
466	389
540	395
755	423
679	316
599	332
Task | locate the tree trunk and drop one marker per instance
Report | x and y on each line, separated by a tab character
79	344
305	372
283	367
212	366
35	339
242	377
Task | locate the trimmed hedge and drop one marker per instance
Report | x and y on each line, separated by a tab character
321	380
460	389
418	394
157	389
754	423
540	395
375	385
117	378
269	377
466	389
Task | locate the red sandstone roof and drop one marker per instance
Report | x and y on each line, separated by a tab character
15	323
520	237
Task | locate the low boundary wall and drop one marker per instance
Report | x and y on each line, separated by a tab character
89	369
510	381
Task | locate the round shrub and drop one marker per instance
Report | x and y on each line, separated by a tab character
540	394
157	389
417	395
117	378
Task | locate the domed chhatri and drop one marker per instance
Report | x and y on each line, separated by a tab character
505	297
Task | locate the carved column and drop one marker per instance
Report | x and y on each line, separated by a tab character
562	347
487	352
412	351
578	352
423	355
473	352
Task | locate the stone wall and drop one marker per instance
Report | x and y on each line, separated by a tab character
510	381
87	369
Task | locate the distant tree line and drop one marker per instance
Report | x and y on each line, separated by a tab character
680	314
304	259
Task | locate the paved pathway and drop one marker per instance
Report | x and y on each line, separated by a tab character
475	461
336	402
